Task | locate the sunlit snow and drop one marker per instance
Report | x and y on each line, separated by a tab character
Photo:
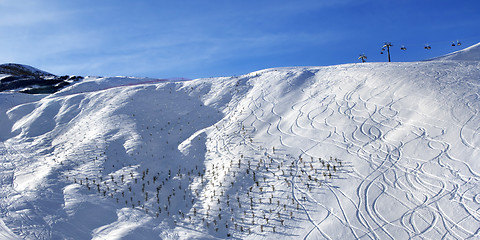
355	151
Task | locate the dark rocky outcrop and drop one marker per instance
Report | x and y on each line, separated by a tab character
26	79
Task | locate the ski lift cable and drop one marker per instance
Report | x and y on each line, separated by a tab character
427	46
415	43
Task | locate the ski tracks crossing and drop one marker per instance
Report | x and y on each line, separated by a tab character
387	176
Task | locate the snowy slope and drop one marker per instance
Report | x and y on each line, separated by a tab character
471	53
357	151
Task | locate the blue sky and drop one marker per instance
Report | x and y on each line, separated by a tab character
209	38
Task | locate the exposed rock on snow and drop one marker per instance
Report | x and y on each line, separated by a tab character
22	70
27	79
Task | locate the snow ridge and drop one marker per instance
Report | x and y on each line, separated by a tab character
471	53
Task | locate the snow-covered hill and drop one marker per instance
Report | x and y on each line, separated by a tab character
356	151
21	69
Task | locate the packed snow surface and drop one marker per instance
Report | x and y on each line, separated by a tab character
357	151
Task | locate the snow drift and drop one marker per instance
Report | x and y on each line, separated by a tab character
356	151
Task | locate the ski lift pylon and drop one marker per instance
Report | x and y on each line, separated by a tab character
362	57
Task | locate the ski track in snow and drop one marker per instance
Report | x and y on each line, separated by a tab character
420	191
341	152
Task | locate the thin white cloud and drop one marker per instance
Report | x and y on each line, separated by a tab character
66	40
29	13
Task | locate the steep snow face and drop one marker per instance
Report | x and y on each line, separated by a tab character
358	151
471	53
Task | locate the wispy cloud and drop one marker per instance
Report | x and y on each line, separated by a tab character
95	39
173	38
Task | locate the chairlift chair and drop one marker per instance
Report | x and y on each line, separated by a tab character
453	44
459	43
403	48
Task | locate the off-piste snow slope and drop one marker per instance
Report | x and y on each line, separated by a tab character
356	151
